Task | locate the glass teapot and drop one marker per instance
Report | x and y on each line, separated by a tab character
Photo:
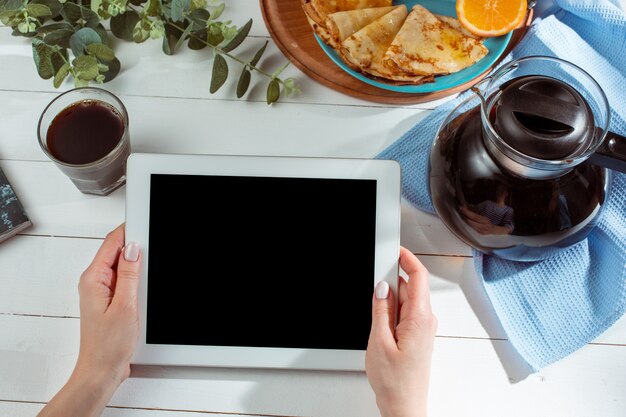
520	169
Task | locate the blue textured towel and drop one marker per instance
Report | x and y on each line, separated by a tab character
551	308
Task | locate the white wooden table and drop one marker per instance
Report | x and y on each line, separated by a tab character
475	371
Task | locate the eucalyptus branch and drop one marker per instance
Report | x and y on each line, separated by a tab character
59	28
233	57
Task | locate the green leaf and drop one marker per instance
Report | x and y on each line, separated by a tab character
114	69
152	8
102	52
198	18
122	25
9	5
23	27
55	6
42	54
16	32
76	14
182	38
38	10
179	8
196	40
171	38
86	67
52	27
141	32
241	35
7	15
95	5
214	38
61	75
220	73
217	12
82	38
258	55
273	91
244	82
59	59
102	32
59	37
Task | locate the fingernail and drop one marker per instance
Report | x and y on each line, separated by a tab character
131	252
382	290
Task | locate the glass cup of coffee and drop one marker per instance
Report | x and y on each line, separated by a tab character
84	131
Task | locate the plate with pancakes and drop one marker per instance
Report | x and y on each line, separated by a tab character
402	51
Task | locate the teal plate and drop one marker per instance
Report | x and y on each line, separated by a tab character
495	45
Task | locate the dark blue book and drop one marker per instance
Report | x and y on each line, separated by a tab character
13	218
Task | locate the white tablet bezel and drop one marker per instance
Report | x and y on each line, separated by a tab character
141	166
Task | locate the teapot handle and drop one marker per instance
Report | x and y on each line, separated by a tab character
611	153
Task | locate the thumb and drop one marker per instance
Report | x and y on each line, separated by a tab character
127	275
383	312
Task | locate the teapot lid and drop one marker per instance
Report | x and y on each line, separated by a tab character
543	117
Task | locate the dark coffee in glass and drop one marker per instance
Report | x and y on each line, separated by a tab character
85	132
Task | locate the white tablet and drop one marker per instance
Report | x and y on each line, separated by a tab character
260	261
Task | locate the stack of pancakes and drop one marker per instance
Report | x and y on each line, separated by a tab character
386	42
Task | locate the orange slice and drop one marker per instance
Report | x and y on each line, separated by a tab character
491	17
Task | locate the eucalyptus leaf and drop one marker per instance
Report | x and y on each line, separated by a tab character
102	52
7	16
8	5
16	32
55	6
258	55
171	38
86	67
59	58
244	82
152	7
81	39
141	32
273	91
42	54
217	12
59	37
38	10
52	27
214	38
241	35
122	25
79	15
197	40
198	18
95	5
102	32
114	69
179	9
61	75
182	38
220	73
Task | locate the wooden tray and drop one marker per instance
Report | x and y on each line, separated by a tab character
290	29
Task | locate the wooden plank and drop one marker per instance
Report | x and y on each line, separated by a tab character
37	354
173	125
29	409
147	71
35	288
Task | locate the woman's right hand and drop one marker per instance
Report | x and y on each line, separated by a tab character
398	357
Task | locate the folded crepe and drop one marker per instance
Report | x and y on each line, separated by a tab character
455	24
365	49
426	45
318	10
340	25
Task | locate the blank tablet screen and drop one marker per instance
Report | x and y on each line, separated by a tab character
259	261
